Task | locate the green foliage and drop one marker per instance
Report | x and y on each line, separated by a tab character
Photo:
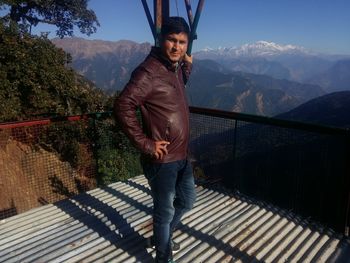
117	160
64	14
111	167
95	146
35	79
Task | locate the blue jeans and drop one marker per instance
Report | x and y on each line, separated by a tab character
173	192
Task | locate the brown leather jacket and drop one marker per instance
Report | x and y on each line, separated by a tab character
156	87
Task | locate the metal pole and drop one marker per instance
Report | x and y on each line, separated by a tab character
95	148
157	19
149	18
189	12
195	24
238	181
165	9
346	185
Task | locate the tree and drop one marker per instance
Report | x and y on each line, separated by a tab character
64	14
35	80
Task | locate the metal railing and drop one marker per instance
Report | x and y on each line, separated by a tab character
44	161
298	166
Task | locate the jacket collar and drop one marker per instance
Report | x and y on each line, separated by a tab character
157	54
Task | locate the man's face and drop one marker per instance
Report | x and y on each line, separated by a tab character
174	46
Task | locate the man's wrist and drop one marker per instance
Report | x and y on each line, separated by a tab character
150	147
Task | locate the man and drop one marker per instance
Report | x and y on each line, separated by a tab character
157	88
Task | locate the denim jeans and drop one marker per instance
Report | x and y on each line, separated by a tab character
173	192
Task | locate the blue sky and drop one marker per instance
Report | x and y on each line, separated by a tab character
319	25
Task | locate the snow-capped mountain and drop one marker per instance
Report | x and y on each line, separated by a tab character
258	49
268	58
264	48
109	64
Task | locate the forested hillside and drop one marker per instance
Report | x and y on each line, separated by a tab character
36	80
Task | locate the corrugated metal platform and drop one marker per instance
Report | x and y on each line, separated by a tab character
111	224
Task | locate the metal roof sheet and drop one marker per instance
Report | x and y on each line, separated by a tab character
111	224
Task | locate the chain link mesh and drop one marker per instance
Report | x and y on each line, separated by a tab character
43	162
304	171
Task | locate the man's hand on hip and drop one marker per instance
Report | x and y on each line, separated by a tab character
161	149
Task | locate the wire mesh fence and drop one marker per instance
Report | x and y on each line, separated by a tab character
303	168
300	167
48	160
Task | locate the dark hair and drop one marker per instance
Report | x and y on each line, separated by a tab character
174	24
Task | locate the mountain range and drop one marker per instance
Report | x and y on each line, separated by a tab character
108	64
258	49
261	78
280	61
215	87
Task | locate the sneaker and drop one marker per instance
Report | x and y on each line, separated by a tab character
169	261
150	242
175	247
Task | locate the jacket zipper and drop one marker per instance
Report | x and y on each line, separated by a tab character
167	131
176	73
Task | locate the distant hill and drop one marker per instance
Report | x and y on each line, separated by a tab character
331	109
108	64
258	66
336	78
213	86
